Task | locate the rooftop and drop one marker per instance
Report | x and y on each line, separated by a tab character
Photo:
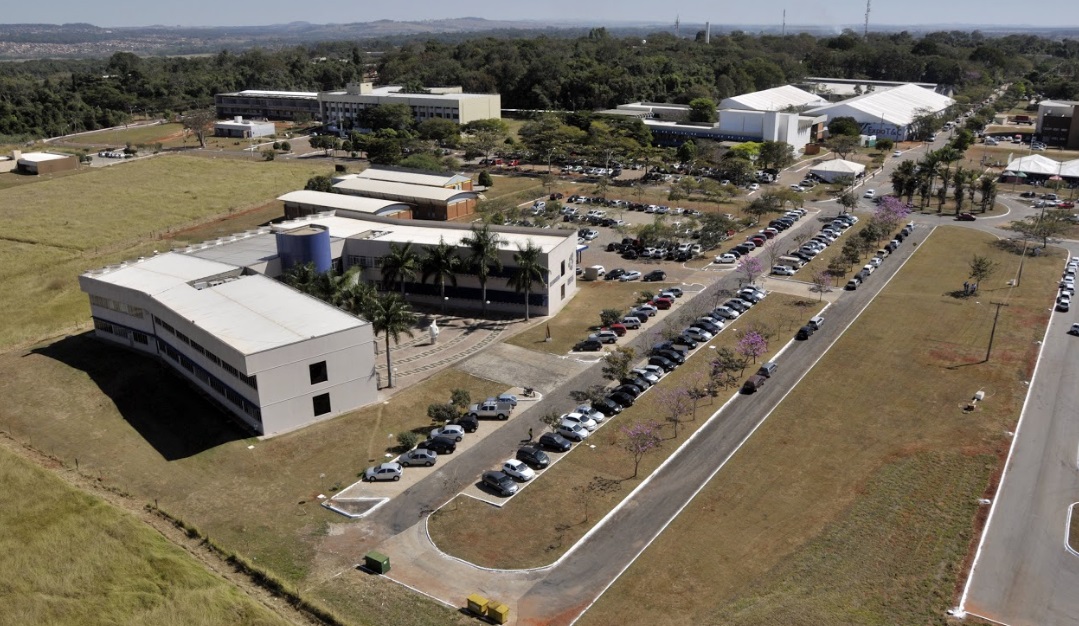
308	95
430	179
341	201
39	157
899	105
775	99
251	314
402	191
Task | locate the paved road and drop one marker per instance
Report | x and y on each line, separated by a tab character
1023	574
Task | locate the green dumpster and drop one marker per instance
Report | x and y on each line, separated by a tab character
376	562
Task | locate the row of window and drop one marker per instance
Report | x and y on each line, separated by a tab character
121	331
250	381
209	380
119	307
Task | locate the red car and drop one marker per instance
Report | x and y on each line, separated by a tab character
1067	204
965	217
661	303
619	329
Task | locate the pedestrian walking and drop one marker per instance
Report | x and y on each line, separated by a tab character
530	434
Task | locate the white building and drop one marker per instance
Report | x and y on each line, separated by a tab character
342	109
889	113
785	98
272	356
307	202
239	127
834	169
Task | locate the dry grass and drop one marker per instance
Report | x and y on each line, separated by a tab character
573	322
146	134
70	558
490	537
58	228
509	185
79	398
855	501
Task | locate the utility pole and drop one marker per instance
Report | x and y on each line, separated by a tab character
993	332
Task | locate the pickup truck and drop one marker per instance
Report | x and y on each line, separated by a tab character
489	408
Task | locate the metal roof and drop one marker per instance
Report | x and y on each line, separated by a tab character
427	179
898	106
775	99
376	206
251	314
306	95
401	191
39	157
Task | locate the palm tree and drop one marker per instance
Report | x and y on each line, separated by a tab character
483	256
529	271
400	265
354	295
390	314
440	263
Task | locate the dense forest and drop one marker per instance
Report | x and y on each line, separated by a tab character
597	70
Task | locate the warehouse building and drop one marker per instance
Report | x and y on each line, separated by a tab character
273	357
244	129
306	202
890	113
342	109
461	182
36	163
785	98
428	203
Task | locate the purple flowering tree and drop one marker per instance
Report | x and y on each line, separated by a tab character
640	439
752	345
890	212
750	267
676	403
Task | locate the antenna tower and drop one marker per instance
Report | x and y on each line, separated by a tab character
865	34
677	27
784	31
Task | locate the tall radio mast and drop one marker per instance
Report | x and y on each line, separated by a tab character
784	31
865	34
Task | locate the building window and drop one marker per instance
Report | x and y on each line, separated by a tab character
321	404
563	269
319	374
563	291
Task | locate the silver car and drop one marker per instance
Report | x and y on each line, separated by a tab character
386	471
419	456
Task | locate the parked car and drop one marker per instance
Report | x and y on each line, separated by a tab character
418	456
554	441
853	283
517	469
711	325
588	345
697	334
726	312
648	308
805	332
782	270
622	399
675	356
470	423
590	412
631	322
386	471
727	257
753	383
451	431
630	275
662	361
605	406
507	397
500	483
577	418
617	328
605	336
674	291
649	375
1074	330
533	457
965	217
655	275
572	431
441	445
870	193
614	274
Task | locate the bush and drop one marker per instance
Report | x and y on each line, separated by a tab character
407	440
442	412
268	155
340	167
645	296
610	316
286	146
485	179
276	145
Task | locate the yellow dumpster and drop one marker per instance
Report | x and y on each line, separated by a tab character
477	604
498	613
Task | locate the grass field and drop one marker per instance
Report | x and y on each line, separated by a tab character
487	536
56	229
78	398
573	322
855	503
71	558
120	137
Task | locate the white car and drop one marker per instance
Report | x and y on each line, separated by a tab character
587	411
870	193
630	275
655	370
697	334
646	374
516	469
783	270
572	431
452	431
588	423
726	258
753	186
875	261
897	153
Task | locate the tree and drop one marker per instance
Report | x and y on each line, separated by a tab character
837	266
821	278
423	161
851	252
268	155
885	145
441	131
640	439
200	122
1043	228
890	212
440	263
618	363
485	179
676	402
547	137
750	267
723	366
482	246
322	183
610	316
703	110
842	145
486	135
959	181
400	265
460	399
529	271
777	154
687	152
390	315
844	126
752	345
286	146
406	440
981	268
395	117
443	412
848	200
551	419
987	186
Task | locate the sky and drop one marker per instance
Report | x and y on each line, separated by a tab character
809	12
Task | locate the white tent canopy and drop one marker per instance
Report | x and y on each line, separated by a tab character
1070	169
1039	165
830	171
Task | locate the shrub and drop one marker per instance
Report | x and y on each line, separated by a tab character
340	167
286	146
406	440
442	412
610	316
276	145
460	398
268	155
485	179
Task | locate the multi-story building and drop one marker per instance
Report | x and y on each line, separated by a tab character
1058	123
342	109
269	105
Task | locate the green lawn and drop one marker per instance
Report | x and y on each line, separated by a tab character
855	502
71	558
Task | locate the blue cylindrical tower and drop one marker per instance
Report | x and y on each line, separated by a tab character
306	244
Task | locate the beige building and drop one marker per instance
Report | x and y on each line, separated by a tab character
428	203
45	163
342	108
